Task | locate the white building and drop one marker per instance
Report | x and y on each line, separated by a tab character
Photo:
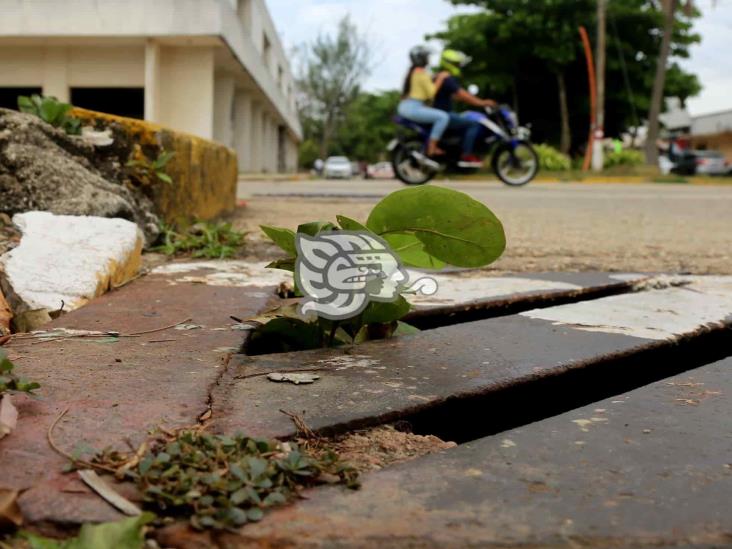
214	68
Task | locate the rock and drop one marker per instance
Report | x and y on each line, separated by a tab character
6	315
64	261
42	168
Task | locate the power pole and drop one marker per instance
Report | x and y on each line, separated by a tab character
597	152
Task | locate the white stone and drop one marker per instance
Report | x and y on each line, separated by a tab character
225	273
652	314
68	259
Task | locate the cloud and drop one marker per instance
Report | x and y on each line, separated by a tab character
394	26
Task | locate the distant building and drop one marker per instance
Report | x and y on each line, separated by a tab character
713	132
214	68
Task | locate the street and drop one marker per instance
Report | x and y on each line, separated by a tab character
549	226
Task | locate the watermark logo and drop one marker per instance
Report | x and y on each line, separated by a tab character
340	273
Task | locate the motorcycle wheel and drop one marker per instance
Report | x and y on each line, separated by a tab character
406	168
516	166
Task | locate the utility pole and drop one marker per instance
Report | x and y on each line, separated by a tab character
597	152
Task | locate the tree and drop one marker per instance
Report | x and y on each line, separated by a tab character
331	71
528	53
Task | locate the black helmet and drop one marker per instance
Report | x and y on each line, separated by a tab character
420	56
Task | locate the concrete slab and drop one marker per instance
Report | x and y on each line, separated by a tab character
116	389
651	467
385	380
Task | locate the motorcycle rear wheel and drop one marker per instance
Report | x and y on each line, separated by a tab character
516	166
406	168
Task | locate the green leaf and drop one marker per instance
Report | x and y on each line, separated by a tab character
26	105
410	250
287	264
382	313
452	226
284	238
348	224
255	514
123	534
315	227
164	177
404	329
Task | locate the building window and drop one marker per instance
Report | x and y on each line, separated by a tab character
266	48
129	102
244	11
9	96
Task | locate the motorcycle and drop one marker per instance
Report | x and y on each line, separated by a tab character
513	158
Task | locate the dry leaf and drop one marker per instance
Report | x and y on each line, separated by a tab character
8	416
297	379
97	483
9	510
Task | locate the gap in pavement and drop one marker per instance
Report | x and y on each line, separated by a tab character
463	419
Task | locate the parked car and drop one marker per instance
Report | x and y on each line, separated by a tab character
337	167
700	163
380	170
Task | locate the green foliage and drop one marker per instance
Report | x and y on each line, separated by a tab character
212	240
309	153
9	382
224	482
550	159
52	111
626	157
427	227
146	172
124	534
519	47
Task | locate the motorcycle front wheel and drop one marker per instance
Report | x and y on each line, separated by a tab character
516	166
406	168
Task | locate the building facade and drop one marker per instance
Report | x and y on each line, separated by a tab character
214	68
713	132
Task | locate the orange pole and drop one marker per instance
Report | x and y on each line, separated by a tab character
593	96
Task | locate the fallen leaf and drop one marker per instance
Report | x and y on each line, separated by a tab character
8	416
9	510
97	483
297	379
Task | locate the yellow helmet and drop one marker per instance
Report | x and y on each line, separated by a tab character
453	61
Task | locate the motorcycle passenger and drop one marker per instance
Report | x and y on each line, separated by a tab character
419	91
451	64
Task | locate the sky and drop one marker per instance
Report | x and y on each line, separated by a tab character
396	25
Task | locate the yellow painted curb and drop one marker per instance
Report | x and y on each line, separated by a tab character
204	173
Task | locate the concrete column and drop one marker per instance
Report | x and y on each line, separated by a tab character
224	88
152	81
256	164
243	130
187	89
55	73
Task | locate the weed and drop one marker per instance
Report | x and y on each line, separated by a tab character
146	172
223	482
205	239
9	382
52	111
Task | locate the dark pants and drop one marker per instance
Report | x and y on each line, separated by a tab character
470	128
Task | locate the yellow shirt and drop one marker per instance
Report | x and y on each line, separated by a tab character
421	86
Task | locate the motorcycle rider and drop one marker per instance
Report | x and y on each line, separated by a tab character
418	92
451	64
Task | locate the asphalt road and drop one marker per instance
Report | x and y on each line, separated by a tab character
550	226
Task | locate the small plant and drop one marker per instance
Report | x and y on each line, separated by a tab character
551	160
426	227
201	240
127	533
147	172
223	482
626	157
9	382
52	111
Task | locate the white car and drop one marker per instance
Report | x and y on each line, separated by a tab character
337	167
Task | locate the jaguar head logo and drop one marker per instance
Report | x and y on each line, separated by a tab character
341	272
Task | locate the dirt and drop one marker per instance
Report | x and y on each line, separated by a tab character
376	448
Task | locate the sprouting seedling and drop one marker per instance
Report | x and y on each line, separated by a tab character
425	227
147	171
